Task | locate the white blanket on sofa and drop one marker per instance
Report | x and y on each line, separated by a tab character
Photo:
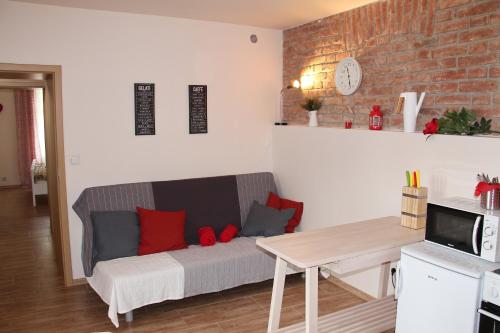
129	283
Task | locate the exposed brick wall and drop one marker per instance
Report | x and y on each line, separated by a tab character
448	48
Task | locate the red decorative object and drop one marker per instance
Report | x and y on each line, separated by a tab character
229	232
348	124
431	127
485	187
1	107
376	118
161	231
276	202
207	236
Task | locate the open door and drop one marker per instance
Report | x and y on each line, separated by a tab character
49	78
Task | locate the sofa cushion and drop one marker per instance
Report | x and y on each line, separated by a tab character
253	187
223	266
116	234
266	221
207	201
276	202
161	231
207	236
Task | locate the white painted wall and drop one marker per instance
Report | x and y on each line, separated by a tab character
8	140
102	54
351	175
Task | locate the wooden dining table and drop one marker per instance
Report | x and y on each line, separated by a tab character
342	249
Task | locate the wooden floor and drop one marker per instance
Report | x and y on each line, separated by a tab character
33	298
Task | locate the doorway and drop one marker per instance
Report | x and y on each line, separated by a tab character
48	79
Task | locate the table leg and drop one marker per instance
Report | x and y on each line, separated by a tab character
312	300
277	297
383	283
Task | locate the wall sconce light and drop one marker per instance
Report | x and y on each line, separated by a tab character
294	85
307	81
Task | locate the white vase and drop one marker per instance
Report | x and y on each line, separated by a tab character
313	119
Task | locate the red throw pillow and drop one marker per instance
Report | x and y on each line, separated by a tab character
161	231
207	236
275	201
229	232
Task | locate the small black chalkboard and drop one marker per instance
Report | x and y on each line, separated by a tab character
198	109
144	98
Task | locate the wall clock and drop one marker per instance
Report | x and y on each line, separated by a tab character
348	76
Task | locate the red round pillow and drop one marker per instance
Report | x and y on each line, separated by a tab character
207	236
229	232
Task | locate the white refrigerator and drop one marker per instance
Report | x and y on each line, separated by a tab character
438	289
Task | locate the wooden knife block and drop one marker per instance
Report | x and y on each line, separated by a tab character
414	207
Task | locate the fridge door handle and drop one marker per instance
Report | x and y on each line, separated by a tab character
489	314
474	234
397	288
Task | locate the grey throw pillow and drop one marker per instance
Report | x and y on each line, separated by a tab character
266	221
116	235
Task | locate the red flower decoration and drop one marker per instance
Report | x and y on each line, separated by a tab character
432	126
485	187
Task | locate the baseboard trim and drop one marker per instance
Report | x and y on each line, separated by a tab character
353	290
13	187
79	282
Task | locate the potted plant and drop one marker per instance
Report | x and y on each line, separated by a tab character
463	122
312	105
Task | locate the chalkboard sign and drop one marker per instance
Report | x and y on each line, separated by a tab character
144	97
198	109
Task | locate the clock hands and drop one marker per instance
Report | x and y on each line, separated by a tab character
348	76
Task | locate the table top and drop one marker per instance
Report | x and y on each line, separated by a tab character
327	245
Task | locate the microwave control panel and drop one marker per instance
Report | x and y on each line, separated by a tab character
490	247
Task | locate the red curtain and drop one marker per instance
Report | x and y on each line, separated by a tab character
25	121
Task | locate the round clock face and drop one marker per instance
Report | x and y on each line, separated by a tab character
348	76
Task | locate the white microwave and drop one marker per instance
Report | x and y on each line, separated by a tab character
461	224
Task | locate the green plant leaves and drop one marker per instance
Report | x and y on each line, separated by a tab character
311	104
463	122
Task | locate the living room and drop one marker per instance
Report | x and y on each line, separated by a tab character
257	62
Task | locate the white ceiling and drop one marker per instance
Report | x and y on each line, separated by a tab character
276	14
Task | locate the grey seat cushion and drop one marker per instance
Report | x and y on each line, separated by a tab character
116	234
266	221
223	266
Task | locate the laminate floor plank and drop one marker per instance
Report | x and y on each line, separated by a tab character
33	297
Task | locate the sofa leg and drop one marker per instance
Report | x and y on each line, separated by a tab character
129	316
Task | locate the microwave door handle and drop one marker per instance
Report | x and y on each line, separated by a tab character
474	234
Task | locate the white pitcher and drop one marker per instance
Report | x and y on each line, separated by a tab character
411	110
